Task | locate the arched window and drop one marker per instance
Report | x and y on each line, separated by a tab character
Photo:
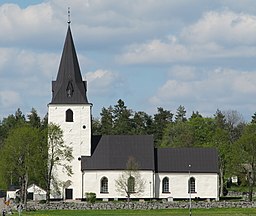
104	185
69	115
131	184
192	185
165	185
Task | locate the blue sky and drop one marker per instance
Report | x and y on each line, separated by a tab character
196	53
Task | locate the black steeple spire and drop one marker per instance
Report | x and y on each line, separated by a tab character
69	87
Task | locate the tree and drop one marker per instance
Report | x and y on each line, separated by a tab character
96	126
122	118
161	119
220	120
34	119
253	118
19	116
107	122
246	146
235	123
195	132
44	122
142	123
12	121
20	157
180	114
178	135
202	129
59	155
195	115
130	181
221	142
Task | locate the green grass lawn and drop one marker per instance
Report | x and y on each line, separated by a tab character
205	212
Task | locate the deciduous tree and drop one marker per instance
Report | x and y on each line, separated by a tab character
59	155
20	156
178	134
246	146
130	181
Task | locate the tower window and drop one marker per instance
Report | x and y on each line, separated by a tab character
70	89
69	115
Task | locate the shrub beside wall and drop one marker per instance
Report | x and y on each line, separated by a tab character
90	197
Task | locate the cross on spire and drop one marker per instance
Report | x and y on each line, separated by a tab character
69	21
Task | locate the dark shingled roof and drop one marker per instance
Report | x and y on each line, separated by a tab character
69	88
202	160
13	188
111	152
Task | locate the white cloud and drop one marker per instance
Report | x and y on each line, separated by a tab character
27	72
155	51
181	72
27	62
5	55
244	83
223	34
220	88
23	24
225	28
9	99
102	82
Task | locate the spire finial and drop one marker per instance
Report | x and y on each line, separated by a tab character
69	21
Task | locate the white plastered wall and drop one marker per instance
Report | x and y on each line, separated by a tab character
92	181
206	185
76	134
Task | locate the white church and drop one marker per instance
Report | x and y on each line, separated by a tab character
100	160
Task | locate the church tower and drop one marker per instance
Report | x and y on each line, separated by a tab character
70	109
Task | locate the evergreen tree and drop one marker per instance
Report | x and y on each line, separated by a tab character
142	123
19	116
44	122
96	126
107	122
220	119
33	119
161	120
122	118
253	118
196	115
180	114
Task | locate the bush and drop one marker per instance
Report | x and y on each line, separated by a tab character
90	197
